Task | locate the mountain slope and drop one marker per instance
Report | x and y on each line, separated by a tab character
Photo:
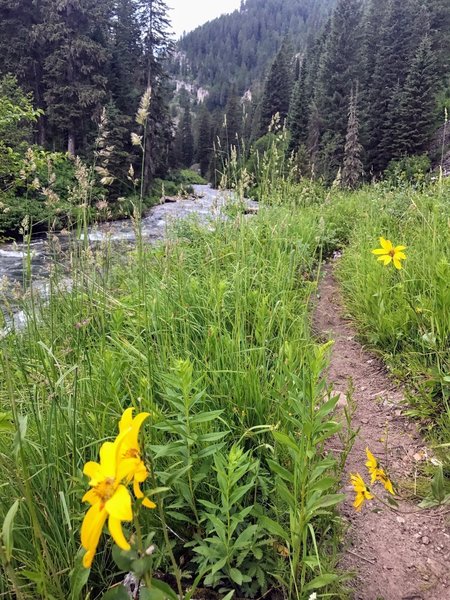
236	49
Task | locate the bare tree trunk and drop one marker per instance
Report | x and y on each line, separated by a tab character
71	144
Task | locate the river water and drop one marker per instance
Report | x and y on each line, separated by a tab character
207	204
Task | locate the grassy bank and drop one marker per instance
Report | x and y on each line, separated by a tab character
209	333
404	313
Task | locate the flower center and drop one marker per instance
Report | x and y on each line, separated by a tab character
131	453
392	252
105	489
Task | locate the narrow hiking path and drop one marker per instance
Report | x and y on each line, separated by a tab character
395	556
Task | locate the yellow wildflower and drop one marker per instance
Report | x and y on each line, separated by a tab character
362	493
377	473
131	452
108	497
389	253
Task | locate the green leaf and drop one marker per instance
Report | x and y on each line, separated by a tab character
7	530
123	558
116	593
273	527
141	566
236	575
285	440
328	407
320	582
245	537
206	417
322	484
78	577
159	591
437	485
6	424
20	433
281	471
326	501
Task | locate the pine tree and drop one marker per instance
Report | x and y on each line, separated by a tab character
126	53
400	35
75	36
186	138
232	129
418	102
298	113
157	48
352	170
277	89
339	70
204	141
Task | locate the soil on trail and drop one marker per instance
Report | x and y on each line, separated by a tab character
395	556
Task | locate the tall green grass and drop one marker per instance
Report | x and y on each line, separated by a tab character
209	332
404	314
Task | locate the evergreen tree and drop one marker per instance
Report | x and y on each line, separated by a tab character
339	70
21	51
75	35
277	89
298	113
186	138
204	141
418	101
124	69
157	48
232	129
400	35
352	170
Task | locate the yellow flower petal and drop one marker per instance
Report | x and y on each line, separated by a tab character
399	248
90	496
126	419
132	437
119	505
397	263
137	490
358	501
389	487
379	251
91	530
126	469
108	459
92	470
386	244
148	503
115	529
400	255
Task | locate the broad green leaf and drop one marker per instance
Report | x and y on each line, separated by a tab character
285	440
236	575
116	593
123	558
320	582
78	577
273	527
159	591
281	471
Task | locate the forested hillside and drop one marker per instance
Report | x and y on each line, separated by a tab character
366	88
237	48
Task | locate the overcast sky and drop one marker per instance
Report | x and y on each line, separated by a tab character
188	14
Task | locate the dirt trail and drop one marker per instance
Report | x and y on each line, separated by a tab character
395	556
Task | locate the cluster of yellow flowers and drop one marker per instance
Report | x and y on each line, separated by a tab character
377	473
389	253
120	465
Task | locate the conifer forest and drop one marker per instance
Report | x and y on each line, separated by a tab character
224	301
